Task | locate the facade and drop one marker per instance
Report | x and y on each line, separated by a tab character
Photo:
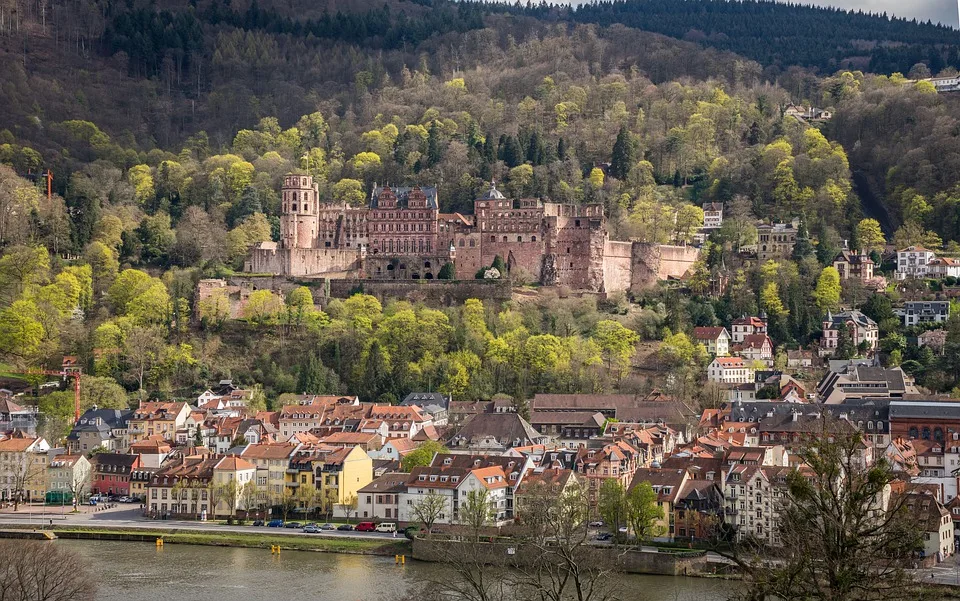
313	411
712	215
195	486
912	262
863	330
455	485
776	240
100	428
380	499
755	347
401	235
14	417
752	497
110	473
570	428
729	370
157	418
715	340
851	264
747	326
68	476
943	267
272	461
23	467
917	312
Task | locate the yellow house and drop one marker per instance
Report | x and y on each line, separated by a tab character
162	419
666	483
336	474
23	468
272	461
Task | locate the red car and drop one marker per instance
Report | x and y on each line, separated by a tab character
366	527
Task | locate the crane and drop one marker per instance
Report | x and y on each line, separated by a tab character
63	374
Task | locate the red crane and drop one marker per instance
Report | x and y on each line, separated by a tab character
63	374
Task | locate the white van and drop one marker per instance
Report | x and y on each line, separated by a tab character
386	527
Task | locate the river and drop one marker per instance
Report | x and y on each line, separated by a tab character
126	571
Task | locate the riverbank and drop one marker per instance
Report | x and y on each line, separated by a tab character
210	537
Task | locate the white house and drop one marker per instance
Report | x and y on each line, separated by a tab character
712	215
729	370
747	326
944	267
455	485
912	262
863	330
716	340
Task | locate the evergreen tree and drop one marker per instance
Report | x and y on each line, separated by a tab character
314	377
756	134
489	153
623	155
509	151
499	265
434	150
561	150
803	248
248	204
376	373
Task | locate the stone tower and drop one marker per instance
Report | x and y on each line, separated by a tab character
298	220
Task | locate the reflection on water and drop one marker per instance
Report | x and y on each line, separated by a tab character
126	571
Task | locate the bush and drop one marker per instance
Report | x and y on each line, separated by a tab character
447	272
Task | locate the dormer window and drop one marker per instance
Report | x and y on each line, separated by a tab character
422	478
454	478
433	478
447	461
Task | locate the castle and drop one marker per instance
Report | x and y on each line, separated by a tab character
402	235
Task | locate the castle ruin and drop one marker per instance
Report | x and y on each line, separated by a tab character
402	235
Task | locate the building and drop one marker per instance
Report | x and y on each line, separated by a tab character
851	264
912	262
943	267
272	461
752	501
23	467
856	381
544	483
110	473
68	479
231	474
755	347
747	326
935	339
380	499
496	432
157	418
776	240
916	312
617	460
936	524
925	420
667	483
712	215
570	428
456	484
715	340
313	411
862	330
337	474
100	428
14	417
729	370
401	234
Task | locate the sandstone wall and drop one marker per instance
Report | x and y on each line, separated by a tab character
652	263
432	292
616	266
302	261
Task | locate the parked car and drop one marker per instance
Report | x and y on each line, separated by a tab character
293	525
275	524
345	527
328	527
311	529
597	524
386	527
124	499
604	536
366	527
257	523
622	530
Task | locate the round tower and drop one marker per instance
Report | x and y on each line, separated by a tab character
298	219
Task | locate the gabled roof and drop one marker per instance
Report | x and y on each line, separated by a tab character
705	333
8	406
233	464
393	482
509	429
661	479
730	362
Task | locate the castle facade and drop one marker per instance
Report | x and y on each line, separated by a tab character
402	235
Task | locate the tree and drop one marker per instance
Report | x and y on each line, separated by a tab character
262	306
286	501
643	513
622	159
612	504
868	235
142	347
349	191
617	343
422	455
847	535
827	293
21	333
688	220
803	248
39	571
23	471
314	377
250	494
447	272
430	508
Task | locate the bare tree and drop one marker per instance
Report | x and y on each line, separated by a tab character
251	496
231	494
41	571
25	470
429	508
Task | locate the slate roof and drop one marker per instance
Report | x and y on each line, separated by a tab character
509	429
924	409
403	193
423	399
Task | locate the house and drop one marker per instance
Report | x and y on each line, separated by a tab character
799	358
23	467
272	461
617	460
747	326
715	340
851	264
729	370
14	417
936	524
232	473
152	451
339	476
393	421
157	418
864	381
455	485
434	404
752	501
755	347
943	267
937	420
111	473
380	499
667	483
935	339
68	479
395	449
917	312
544	483
697	509
183	487
712	215
862	330
369	441
912	262
776	240
496	432
571	428
100	428
313	411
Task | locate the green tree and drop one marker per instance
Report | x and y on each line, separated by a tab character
827	293
422	455
643	513
612	504
349	191
868	235
262	306
617	343
21	333
314	377
623	155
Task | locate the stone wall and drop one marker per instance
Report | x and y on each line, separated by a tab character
432	292
616	266
652	263
302	261
632	562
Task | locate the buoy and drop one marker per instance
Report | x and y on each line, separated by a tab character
275	549
403	560
159	543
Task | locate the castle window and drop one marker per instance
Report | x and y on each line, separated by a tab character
519	238
493	238
294	208
504	238
533	238
461	243
472	243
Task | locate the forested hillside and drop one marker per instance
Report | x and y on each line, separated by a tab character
168	129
